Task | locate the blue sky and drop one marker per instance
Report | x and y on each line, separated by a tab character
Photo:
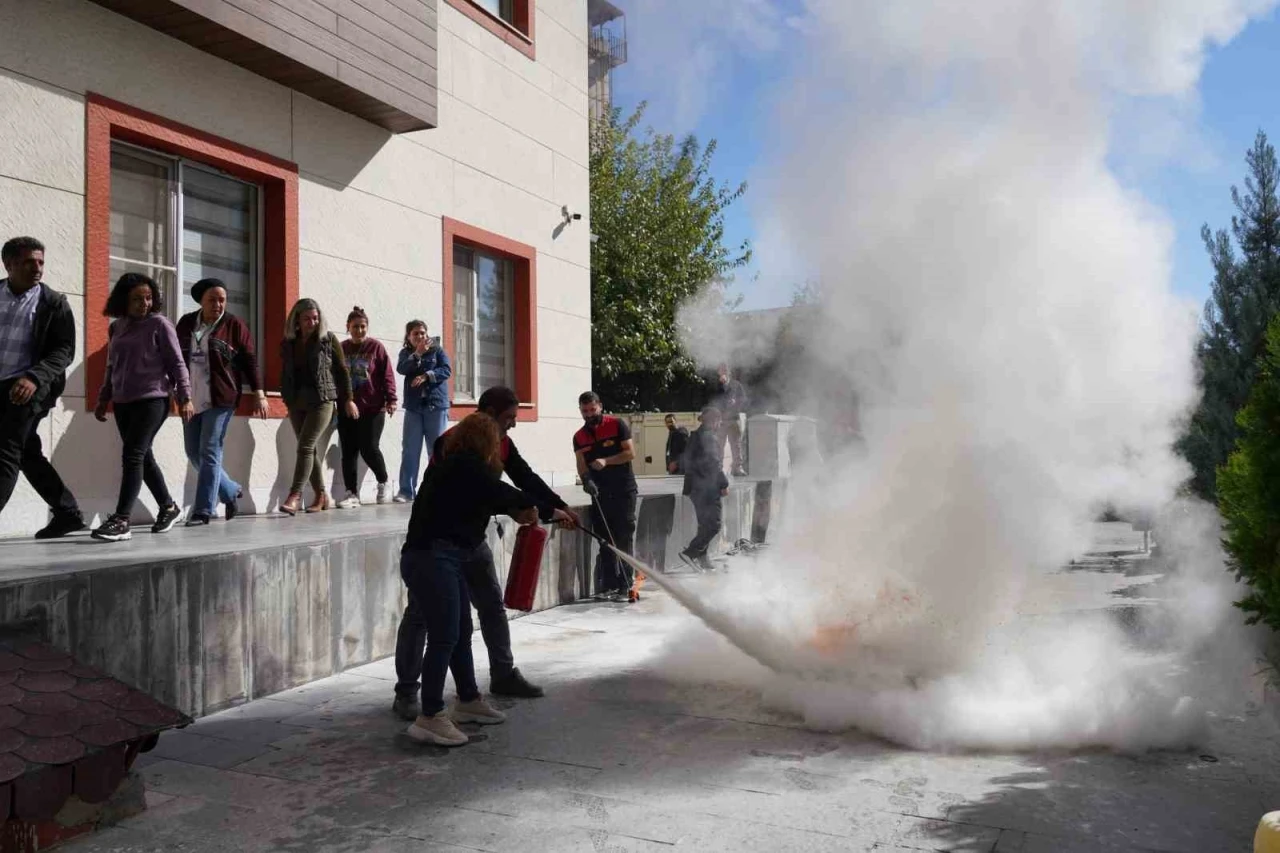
720	88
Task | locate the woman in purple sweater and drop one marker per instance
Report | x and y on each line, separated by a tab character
144	368
373	387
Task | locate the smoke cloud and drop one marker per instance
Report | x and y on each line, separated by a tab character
999	304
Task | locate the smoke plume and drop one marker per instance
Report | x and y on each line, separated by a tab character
999	304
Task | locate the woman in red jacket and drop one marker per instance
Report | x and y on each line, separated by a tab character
373	387
218	349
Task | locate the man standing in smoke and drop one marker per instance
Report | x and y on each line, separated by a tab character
731	402
706	485
677	441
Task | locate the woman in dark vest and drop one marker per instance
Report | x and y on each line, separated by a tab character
313	380
219	352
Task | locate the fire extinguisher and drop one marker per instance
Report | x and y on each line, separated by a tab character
526	565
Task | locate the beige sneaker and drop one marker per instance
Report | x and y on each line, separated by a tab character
438	730
477	711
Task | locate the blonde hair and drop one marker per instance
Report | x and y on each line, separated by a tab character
479	434
300	307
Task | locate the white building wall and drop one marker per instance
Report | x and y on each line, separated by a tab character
510	150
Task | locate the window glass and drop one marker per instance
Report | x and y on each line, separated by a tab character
464	319
218	238
504	9
482	318
142	213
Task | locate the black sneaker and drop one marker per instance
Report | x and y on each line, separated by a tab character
704	563
167	518
231	509
114	529
197	519
407	708
60	526
515	685
690	559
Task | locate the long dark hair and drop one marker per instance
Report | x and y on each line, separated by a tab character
409	327
118	301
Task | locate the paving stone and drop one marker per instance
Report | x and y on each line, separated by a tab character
616	758
193	748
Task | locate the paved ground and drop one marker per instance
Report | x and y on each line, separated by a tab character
618	759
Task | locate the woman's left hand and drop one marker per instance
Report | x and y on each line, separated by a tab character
391	409
351	410
188	411
261	408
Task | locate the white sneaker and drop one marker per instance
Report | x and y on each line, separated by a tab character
384	493
351	501
477	711
438	730
401	499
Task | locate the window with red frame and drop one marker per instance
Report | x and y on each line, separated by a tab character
509	20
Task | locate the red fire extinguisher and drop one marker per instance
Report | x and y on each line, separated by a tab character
526	564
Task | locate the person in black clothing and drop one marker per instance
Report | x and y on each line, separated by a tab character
604	451
446	532
731	400
37	343
706	485
677	441
481	574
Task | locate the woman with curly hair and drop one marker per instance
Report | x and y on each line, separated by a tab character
313	380
460	493
145	369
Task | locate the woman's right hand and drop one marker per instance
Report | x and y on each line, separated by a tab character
528	515
418	380
100	412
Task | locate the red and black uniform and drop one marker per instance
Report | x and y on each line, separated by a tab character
613	513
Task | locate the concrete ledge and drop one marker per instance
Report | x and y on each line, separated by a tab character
211	617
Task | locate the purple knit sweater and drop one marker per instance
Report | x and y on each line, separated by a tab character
144	361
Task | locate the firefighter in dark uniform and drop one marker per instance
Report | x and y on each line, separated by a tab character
604	450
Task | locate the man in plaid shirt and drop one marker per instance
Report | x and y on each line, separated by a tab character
37	343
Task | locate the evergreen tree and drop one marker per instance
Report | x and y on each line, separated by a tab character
1249	491
1245	296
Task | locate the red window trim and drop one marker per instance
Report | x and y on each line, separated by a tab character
525	297
519	35
108	120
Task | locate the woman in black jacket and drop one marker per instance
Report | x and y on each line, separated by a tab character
461	492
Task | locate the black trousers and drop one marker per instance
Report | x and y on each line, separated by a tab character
21	452
708	508
486	595
614	515
138	423
361	438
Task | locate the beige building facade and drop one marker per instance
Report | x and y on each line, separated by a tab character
419	158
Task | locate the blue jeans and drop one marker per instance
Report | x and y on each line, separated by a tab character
438	586
420	425
203	437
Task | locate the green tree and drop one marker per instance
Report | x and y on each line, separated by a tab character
1245	296
658	217
1249	491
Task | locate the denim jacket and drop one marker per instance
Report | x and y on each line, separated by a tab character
433	394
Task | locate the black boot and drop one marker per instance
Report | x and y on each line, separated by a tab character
514	684
407	708
61	525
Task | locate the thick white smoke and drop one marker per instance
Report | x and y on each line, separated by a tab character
1002	306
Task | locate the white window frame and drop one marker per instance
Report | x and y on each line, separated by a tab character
506	11
176	165
473	283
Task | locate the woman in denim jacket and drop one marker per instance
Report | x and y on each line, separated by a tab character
426	371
